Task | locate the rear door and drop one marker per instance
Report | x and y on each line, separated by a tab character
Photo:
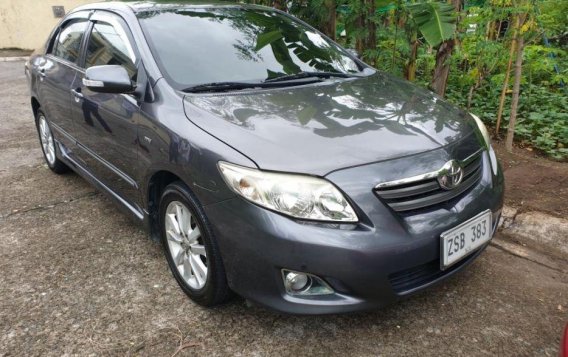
106	123
57	71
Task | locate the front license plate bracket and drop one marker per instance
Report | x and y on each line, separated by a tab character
465	238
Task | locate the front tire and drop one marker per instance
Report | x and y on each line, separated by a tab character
48	145
190	247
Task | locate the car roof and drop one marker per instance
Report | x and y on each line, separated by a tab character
139	6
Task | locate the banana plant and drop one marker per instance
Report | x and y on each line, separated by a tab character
436	21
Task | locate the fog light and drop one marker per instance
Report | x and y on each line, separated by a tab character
297	283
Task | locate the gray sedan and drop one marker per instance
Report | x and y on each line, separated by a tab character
268	160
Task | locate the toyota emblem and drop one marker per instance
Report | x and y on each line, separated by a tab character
450	175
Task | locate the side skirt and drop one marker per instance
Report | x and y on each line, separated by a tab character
135	212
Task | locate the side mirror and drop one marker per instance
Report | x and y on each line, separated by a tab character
108	79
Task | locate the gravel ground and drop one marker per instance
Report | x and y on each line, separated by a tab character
79	278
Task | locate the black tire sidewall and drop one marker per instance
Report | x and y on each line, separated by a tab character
208	295
40	114
58	166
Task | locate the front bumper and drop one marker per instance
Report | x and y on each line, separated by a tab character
370	264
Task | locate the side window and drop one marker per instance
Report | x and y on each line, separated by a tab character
109	45
68	43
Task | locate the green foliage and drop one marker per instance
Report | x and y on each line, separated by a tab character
542	118
540	64
436	21
483	33
544	121
314	12
553	17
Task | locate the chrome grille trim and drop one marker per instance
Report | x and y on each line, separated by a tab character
422	191
426	176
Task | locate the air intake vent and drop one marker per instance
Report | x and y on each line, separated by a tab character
406	281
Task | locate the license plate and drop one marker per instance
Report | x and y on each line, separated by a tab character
461	240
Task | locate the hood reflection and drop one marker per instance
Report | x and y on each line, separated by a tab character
383	116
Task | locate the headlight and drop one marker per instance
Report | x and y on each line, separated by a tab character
487	139
482	129
299	196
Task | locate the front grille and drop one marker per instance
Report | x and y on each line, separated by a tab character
407	195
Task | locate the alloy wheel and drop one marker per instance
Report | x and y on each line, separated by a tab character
46	140
186	244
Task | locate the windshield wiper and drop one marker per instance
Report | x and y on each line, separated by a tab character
220	86
290	77
227	86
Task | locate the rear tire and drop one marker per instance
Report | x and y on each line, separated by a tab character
190	247
48	146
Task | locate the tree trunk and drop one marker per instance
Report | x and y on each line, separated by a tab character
331	25
386	21
507	75
492	30
359	41
332	28
394	45
410	70
442	69
279	4
516	92
371	42
472	90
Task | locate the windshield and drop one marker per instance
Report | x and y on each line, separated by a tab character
206	45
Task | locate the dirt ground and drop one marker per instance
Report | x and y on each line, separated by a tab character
533	183
78	278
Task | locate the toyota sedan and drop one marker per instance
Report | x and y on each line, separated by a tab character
267	159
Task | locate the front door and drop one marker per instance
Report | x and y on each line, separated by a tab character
105	123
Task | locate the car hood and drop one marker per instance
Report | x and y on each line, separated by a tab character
330	125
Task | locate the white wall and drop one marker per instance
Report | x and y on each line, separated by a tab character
26	24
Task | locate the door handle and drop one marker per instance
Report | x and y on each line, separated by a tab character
77	94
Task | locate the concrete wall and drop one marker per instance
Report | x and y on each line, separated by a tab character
26	24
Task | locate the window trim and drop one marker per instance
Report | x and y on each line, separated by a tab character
55	44
81	63
123	30
54	38
114	20
84	14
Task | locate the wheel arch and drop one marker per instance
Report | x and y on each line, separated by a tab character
156	184
35	106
